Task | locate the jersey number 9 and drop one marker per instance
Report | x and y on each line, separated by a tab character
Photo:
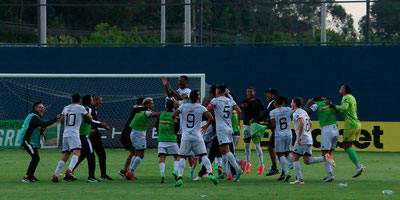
190	121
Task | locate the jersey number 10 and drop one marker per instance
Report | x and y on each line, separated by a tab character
70	119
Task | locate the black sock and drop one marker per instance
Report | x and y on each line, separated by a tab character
273	166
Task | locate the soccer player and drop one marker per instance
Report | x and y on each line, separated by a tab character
223	108
30	138
126	137
280	122
167	143
329	130
138	134
71	118
251	107
271	95
352	126
87	147
192	140
95	137
304	141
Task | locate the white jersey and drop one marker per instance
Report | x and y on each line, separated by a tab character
182	92
223	108
282	121
306	137
191	116
73	114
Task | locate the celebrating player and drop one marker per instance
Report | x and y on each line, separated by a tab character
167	143
71	119
280	122
192	140
329	130
138	134
251	113
352	126
304	141
223	108
30	138
126	137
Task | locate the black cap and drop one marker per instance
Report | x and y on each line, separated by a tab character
272	91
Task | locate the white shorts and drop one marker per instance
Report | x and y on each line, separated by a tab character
168	148
224	136
189	147
303	150
246	132
138	139
71	143
329	137
283	144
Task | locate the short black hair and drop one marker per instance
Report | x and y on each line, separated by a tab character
76	98
169	105
86	100
185	78
251	88
298	101
221	88
347	89
272	91
194	96
317	99
213	88
281	100
96	96
140	101
36	104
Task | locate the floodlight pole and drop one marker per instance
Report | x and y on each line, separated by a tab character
323	22
163	22
188	35
42	22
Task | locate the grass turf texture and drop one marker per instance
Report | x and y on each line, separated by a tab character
382	173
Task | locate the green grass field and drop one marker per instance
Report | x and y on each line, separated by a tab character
382	173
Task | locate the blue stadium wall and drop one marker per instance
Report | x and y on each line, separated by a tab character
372	71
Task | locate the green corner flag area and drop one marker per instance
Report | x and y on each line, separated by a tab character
381	174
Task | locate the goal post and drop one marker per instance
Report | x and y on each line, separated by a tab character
119	91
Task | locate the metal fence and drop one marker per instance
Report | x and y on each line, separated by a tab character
198	22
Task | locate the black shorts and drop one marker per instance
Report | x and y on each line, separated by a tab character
271	142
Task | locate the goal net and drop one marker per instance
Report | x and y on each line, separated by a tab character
119	91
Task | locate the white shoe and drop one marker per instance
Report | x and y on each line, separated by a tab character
359	171
198	178
297	182
328	179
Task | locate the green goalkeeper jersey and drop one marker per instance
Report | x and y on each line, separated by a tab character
326	115
235	124
349	111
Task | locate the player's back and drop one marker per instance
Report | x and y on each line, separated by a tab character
306	137
191	116
73	115
223	108
282	117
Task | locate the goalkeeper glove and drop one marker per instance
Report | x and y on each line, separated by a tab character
330	103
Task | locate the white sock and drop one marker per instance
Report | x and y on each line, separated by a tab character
219	161
181	167
232	161
176	165
316	160
328	168
162	168
60	166
136	163
224	164
207	164
297	170
238	160
283	163
132	163
73	162
358	165
247	152
289	158
259	154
